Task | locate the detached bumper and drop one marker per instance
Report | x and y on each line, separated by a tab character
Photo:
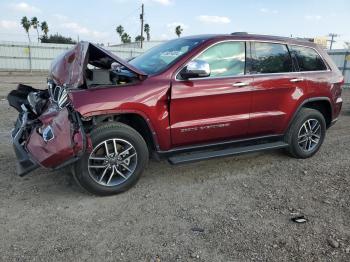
64	146
25	164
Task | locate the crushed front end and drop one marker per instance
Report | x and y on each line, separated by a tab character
48	131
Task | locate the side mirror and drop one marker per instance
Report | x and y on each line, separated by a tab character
195	68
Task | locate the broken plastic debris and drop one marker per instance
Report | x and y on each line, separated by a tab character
197	229
299	219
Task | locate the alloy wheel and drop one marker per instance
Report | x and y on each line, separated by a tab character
112	162
309	135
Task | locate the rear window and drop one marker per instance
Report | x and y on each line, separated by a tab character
270	58
308	59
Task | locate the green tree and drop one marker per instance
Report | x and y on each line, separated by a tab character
35	24
57	39
125	38
44	28
178	30
138	38
26	25
120	31
147	30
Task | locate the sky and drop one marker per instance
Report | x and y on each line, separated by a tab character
96	21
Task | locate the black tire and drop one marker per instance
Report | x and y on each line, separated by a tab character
292	136
103	133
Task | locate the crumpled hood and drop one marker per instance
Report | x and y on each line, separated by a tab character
69	68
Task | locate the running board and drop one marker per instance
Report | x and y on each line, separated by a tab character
231	151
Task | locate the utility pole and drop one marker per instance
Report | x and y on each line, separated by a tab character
332	35
141	18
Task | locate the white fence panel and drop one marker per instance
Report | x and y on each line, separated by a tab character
37	56
19	56
341	58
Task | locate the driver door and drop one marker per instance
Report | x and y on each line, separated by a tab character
216	107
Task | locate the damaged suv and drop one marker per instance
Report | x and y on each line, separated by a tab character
186	100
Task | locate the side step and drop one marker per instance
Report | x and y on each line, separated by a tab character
231	151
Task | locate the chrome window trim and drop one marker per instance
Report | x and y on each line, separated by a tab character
249	75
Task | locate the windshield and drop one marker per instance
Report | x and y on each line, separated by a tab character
161	57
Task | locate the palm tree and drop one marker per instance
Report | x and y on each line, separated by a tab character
126	38
35	24
26	25
138	38
147	30
178	30
120	31
44	28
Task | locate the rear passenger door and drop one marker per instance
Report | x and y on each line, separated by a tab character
277	86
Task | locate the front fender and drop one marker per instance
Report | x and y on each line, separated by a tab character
149	103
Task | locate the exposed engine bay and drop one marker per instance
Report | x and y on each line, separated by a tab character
106	77
88	65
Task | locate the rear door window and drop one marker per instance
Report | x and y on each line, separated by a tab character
270	58
308	59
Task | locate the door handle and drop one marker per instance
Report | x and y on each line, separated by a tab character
295	80
240	84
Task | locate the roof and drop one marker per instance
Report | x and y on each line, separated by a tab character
247	37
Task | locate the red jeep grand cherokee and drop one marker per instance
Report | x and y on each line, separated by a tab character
189	99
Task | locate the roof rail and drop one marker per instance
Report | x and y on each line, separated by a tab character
239	33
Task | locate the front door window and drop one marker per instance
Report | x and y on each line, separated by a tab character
225	59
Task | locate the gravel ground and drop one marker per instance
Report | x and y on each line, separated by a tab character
228	209
10	80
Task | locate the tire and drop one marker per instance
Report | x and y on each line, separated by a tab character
104	172
297	133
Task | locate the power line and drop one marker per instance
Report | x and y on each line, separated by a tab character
122	21
19	34
128	15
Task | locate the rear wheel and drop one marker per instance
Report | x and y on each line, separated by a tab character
116	162
306	134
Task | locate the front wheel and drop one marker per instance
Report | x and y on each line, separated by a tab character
116	162
306	134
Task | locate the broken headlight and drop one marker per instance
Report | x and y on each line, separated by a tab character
58	94
37	102
48	133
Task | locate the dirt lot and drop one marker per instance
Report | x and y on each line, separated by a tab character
229	209
9	81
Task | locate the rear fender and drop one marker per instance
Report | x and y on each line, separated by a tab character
303	103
